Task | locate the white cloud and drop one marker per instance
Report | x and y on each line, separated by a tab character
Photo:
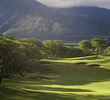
72	3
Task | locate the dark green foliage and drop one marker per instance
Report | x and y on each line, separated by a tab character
98	44
107	51
86	46
69	52
56	49
53	48
16	53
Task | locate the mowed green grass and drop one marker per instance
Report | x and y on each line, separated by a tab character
67	82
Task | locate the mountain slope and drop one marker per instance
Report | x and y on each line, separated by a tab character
29	18
100	14
15	13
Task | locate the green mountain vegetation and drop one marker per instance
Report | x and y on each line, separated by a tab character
29	18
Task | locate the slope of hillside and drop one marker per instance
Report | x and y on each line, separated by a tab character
29	18
100	14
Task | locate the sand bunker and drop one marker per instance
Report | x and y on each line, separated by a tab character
40	78
49	70
44	62
95	66
81	63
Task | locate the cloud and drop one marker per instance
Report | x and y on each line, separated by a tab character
72	3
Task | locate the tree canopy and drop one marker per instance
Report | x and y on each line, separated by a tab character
16	53
86	46
98	44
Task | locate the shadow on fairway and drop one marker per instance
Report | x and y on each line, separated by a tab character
66	76
11	94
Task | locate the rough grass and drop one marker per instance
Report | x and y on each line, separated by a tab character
67	82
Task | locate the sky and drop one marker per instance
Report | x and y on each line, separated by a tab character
72	3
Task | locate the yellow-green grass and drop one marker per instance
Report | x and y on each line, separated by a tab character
67	82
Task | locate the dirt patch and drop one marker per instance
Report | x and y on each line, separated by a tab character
44	62
34	71
81	63
49	70
40	78
95	66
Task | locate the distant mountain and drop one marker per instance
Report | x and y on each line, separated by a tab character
29	18
100	14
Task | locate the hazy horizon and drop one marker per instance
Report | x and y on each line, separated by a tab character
73	3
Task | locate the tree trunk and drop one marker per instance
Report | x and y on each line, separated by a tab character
21	73
1	77
96	53
31	63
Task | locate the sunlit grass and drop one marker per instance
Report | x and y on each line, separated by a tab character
67	82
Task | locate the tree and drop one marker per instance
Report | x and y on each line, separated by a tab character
86	46
8	50
98	44
53	47
32	49
107	51
68	52
16	53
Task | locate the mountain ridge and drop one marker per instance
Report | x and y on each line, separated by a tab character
100	14
29	18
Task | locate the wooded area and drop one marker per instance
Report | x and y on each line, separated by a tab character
17	54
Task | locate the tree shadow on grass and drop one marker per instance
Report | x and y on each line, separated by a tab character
8	93
4	89
12	94
73	96
69	75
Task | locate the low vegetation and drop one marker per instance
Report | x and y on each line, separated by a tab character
31	70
